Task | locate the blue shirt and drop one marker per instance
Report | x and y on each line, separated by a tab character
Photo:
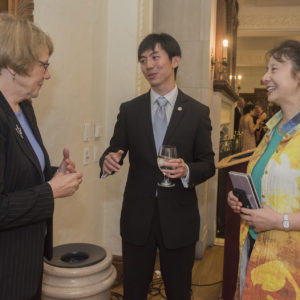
32	140
171	99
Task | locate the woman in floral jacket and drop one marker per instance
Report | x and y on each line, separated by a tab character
270	236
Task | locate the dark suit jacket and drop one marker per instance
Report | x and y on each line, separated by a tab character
190	131
237	117
26	207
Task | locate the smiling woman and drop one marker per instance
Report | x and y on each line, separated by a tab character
270	238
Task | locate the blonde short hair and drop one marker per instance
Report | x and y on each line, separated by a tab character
21	43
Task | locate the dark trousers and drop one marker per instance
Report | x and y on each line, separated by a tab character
138	266
38	295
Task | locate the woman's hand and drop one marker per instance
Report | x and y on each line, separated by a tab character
234	202
66	180
64	185
262	219
67	165
262	117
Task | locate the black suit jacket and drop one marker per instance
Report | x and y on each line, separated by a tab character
237	117
190	131
26	207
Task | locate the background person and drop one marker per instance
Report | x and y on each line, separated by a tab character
156	217
238	112
272	269
261	130
248	128
27	184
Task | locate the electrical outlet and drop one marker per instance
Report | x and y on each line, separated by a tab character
86	156
98	130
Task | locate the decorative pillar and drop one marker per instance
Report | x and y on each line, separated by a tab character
192	23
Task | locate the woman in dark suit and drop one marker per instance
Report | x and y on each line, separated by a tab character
28	184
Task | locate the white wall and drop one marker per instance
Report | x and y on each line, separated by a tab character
251	78
94	69
121	86
76	94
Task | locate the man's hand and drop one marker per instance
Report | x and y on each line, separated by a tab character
111	162
178	168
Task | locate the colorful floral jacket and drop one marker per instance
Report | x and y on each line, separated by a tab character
273	271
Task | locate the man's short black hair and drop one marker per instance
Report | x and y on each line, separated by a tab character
166	41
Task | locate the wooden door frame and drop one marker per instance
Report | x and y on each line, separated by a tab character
21	8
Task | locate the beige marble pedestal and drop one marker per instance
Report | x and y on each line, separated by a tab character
88	283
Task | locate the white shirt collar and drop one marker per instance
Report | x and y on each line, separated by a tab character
171	96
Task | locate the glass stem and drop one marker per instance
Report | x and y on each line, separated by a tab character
166	178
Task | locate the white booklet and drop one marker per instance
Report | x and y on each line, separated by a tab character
245	189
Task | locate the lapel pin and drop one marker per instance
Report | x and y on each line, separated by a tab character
19	131
179	108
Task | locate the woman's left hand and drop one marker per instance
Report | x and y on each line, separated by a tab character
67	165
262	219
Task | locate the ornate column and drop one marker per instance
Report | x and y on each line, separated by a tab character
192	23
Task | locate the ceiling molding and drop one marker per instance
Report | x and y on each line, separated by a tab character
273	3
266	25
262	25
268	21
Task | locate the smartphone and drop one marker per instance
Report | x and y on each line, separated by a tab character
242	197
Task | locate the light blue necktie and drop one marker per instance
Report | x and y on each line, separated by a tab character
160	122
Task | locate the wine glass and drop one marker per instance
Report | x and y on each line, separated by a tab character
165	153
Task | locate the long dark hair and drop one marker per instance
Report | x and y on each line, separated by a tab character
248	108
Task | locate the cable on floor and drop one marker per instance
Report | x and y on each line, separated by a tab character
116	296
157	288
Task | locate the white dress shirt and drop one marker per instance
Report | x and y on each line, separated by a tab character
171	98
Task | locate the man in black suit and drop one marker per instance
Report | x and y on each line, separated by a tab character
238	112
152	216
